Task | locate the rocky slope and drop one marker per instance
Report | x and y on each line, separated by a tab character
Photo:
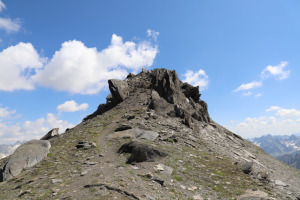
153	139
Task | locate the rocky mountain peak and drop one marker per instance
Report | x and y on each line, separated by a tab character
161	90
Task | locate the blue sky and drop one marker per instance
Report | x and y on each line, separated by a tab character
56	57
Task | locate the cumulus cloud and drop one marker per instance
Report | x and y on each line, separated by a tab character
71	106
5	112
31	129
285	113
153	34
248	86
17	63
285	121
198	78
276	71
76	68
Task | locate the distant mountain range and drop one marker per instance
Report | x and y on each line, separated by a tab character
6	149
285	148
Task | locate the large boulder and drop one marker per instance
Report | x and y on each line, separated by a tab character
27	155
119	90
140	152
51	134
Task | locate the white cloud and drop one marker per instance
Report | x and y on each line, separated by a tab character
2	6
6	23
270	71
31	129
17	63
198	78
276	71
9	25
248	86
5	112
285	121
153	34
285	113
71	106
76	68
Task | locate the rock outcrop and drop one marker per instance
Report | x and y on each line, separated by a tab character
27	155
140	152
162	91
51	134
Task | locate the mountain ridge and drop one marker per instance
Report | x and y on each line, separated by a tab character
158	113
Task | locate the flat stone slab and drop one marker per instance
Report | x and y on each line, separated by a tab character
135	133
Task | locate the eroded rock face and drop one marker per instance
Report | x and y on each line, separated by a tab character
162	91
27	155
119	90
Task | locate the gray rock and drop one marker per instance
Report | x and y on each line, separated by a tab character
254	195
51	134
247	167
83	173
119	90
27	155
140	152
136	133
197	197
90	163
280	183
158	179
56	181
85	145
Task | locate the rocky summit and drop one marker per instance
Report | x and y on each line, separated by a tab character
152	139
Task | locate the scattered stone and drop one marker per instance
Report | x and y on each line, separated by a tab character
51	134
56	181
280	183
85	145
192	188
247	167
158	179
134	167
90	163
83	173
140	152
160	167
253	195
197	197
183	187
26	155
